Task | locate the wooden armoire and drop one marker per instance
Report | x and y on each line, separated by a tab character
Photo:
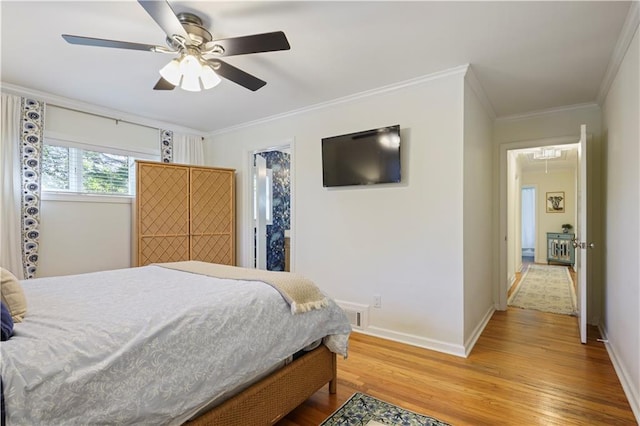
183	213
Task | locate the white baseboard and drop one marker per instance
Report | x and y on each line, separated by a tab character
432	344
419	341
471	341
632	394
512	280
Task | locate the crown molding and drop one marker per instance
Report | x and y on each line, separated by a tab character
548	111
92	109
475	84
462	70
629	29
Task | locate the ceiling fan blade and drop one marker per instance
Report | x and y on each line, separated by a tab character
165	17
236	75
267	42
100	42
163	84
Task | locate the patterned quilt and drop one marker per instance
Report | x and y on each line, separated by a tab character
148	345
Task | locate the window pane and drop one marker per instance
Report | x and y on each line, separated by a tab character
55	168
105	173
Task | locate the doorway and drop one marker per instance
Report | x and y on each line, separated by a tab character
270	187
516	161
538	175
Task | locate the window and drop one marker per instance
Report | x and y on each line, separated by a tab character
78	170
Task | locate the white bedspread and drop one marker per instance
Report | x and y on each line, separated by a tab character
147	345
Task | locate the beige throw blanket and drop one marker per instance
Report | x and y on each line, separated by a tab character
300	293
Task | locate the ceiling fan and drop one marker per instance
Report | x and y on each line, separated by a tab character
192	70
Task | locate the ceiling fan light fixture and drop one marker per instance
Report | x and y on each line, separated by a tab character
171	72
190	67
191	83
209	78
547	153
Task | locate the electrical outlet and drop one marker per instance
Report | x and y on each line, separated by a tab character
377	301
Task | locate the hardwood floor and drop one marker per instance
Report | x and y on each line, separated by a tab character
527	368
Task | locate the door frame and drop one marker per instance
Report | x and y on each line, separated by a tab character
501	287
248	258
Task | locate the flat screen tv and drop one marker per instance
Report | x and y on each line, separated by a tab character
362	158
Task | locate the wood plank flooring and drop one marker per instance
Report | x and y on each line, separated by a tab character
527	368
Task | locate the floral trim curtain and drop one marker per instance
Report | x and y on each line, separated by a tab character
31	156
166	146
22	129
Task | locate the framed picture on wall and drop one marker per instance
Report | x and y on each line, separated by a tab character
555	202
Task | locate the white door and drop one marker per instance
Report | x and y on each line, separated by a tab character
580	242
260	200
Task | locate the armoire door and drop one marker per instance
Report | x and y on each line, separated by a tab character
213	215
162	213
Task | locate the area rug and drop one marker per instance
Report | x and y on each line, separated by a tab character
545	288
362	409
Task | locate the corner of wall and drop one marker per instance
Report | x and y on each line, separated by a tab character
475	335
629	29
474	83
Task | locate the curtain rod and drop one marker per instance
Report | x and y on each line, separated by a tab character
117	120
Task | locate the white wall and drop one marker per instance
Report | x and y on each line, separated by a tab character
84	236
555	180
401	241
548	124
478	209
621	320
90	129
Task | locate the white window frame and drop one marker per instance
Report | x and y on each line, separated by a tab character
75	178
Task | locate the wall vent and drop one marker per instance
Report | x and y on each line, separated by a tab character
355	318
356	313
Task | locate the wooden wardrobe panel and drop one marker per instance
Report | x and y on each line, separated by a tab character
213	215
163	195
213	248
163	249
162	213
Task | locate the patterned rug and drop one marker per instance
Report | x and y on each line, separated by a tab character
365	410
545	288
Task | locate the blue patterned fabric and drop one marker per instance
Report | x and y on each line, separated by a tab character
279	163
7	322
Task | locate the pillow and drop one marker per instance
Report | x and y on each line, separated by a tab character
7	323
12	295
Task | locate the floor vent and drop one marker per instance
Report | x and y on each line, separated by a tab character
356	313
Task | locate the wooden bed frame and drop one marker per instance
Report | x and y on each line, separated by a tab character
272	398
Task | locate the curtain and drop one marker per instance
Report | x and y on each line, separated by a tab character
528	217
166	146
10	209
188	149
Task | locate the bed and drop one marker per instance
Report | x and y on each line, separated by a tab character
158	345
